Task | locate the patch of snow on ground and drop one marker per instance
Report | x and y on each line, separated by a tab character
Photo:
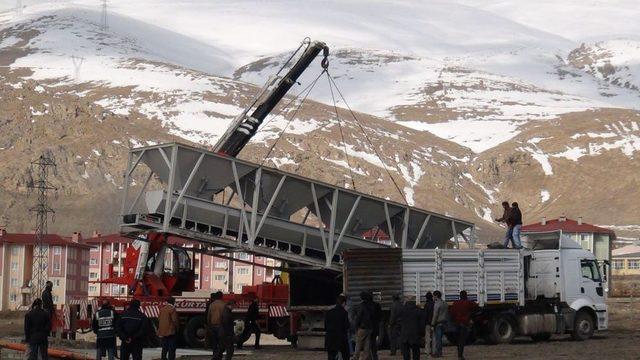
478	135
487	192
96	152
572	153
545	195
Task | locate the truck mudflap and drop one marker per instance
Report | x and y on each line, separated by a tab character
602	316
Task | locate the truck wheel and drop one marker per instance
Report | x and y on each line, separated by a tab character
583	326
195	332
541	337
502	329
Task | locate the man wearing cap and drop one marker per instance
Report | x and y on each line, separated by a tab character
131	329
104	326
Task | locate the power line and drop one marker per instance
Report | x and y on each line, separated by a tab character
42	167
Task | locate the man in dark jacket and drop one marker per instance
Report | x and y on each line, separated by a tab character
428	316
411	329
336	326
251	323
377	319
515	217
37	325
394	324
104	326
364	322
506	218
226	331
47	300
461	311
131	329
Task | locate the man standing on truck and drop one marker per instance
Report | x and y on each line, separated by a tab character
214	319
506	218
132	328
104	326
336	326
428	316
439	320
167	329
394	324
461	311
364	327
516	223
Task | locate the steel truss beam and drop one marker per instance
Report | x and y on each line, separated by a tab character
274	206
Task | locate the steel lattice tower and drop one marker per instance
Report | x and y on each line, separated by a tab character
104	25
39	182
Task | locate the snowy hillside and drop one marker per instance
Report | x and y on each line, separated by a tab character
456	94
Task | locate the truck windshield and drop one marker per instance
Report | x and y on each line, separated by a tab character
590	270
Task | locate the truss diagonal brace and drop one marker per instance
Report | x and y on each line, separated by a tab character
344	227
186	185
271	202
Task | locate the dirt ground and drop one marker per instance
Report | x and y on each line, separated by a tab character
621	341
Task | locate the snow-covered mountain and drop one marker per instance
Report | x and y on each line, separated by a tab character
456	93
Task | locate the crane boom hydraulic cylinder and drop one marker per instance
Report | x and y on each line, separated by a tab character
234	141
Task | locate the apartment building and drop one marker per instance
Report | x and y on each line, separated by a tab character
67	268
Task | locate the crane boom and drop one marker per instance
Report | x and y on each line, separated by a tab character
245	126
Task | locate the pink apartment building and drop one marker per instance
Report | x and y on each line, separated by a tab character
67	268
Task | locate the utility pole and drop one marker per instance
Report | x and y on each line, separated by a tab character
104	25
40	182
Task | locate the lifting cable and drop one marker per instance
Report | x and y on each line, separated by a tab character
344	143
368	139
308	91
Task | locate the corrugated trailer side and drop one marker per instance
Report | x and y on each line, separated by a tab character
375	270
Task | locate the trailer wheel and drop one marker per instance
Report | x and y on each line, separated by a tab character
195	332
541	337
502	329
583	326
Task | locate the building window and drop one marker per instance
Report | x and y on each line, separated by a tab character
243	256
633	264
14	282
243	271
94	249
206	278
56	282
221	264
93	288
56	299
14	250
56	266
196	277
239	287
57	250
617	264
14	266
93	261
259	272
13	297
93	275
220	277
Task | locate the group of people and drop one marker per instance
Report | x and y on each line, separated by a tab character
512	217
409	326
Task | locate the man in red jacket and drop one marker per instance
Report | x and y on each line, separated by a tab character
461	311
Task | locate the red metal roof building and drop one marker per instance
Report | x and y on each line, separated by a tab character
67	268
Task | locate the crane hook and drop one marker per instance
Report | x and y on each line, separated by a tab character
325	59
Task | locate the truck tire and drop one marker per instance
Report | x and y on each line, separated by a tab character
583	326
195	332
502	329
541	337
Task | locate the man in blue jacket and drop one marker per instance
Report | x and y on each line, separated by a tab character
131	329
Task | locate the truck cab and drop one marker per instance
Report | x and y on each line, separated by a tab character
571	278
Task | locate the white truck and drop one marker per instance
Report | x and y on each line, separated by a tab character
533	293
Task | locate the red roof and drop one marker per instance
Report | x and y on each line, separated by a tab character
50	239
567	225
